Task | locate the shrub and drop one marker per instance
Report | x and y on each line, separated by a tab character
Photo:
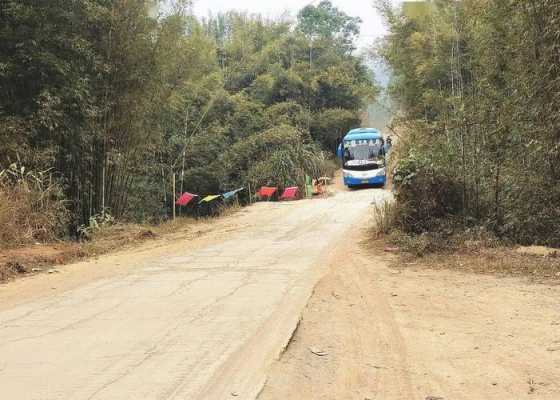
288	167
288	113
97	224
278	156
424	195
331	124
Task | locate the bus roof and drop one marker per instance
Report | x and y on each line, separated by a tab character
363	134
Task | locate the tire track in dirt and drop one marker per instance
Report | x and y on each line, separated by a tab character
416	334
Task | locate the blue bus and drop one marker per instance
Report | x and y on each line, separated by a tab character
362	152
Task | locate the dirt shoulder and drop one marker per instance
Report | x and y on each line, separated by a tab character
49	270
541	265
372	331
30	260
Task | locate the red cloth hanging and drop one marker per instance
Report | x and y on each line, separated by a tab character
185	199
290	193
266	192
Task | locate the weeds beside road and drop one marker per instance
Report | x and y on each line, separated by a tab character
475	250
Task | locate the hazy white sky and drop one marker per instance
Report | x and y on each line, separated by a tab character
372	26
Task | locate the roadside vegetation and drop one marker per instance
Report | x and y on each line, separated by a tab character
31	207
477	85
476	166
112	99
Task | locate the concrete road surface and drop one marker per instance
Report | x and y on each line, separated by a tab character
191	319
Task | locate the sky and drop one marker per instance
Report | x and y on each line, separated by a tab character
371	29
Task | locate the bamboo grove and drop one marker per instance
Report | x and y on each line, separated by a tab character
478	86
109	99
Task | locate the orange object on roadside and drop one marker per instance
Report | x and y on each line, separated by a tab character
317	187
266	192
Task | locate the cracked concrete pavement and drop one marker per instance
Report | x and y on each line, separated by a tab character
185	320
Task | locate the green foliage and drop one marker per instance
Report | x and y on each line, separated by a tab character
96	224
278	156
426	195
117	100
257	148
288	113
478	83
326	21
332	123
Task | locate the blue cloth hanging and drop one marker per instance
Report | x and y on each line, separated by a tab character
229	195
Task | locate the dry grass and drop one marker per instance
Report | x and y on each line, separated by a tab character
37	258
384	216
11	269
116	237
539	265
32	208
502	261
474	251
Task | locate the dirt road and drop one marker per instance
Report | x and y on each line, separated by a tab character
200	319
207	317
374	332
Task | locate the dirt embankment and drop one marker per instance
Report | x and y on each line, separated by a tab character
373	331
47	257
537	264
35	259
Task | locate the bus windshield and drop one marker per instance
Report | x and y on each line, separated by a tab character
364	153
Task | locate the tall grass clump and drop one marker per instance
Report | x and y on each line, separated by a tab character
385	216
32	207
